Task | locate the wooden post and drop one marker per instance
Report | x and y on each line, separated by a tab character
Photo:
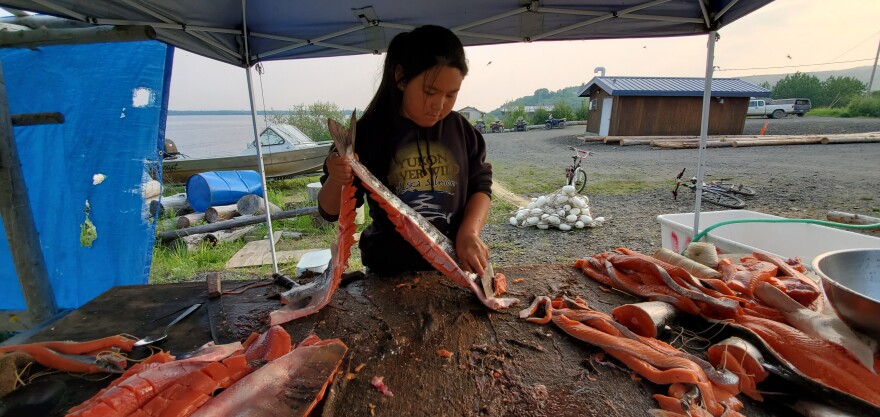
18	220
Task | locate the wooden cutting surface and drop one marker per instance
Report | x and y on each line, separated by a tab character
394	327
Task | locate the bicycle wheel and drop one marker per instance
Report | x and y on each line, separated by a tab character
580	180
736	188
722	199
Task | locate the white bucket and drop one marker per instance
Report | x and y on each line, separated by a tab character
315	261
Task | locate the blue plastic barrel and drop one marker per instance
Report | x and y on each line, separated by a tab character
220	188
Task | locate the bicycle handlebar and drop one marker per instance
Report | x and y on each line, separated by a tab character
580	151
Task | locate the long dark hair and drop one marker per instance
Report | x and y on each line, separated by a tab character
414	53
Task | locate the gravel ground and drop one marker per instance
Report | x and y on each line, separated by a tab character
795	181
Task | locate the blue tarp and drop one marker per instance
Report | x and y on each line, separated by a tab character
114	100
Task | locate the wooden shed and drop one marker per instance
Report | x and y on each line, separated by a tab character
664	106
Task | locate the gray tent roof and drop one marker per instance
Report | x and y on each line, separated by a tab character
308	29
672	87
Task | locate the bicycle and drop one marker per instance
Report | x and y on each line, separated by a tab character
575	174
721	195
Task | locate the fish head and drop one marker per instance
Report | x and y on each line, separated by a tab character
343	137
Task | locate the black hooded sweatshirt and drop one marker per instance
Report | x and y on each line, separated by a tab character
434	170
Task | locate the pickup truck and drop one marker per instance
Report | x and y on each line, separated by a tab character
778	109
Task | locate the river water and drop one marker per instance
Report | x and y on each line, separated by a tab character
201	136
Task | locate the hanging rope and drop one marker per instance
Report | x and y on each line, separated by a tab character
260	71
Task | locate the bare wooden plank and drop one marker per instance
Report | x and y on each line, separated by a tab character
256	253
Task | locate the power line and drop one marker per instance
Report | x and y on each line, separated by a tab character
793	66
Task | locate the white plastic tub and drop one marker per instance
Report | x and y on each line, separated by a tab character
787	240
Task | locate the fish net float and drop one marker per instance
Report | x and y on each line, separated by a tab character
563	209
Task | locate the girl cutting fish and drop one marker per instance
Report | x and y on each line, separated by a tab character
428	155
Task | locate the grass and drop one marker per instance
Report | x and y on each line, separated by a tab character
827	112
178	264
533	180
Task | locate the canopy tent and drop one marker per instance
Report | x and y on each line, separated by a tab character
280	30
242	32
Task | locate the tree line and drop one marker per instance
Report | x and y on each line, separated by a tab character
835	92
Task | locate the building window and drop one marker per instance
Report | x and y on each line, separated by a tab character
594	104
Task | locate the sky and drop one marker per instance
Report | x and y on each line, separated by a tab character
798	35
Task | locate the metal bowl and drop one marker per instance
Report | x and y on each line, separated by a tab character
851	281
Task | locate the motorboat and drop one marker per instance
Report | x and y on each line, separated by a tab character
287	152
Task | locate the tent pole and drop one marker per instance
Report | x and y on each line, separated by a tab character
247	70
18	220
704	128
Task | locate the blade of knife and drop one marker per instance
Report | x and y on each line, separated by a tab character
221	332
488	281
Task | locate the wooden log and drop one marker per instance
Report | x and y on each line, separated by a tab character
99	34
32	119
189	220
189	243
808	140
237	222
228	235
16	213
218	213
850	218
178	203
254	204
851	139
151	188
689	144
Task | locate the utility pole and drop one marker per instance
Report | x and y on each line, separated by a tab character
873	70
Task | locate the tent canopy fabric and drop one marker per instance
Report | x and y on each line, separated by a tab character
84	176
281	30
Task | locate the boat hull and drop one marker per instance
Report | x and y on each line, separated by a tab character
277	165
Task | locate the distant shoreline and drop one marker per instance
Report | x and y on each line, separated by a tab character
233	112
222	112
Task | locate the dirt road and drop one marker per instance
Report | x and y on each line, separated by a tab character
802	181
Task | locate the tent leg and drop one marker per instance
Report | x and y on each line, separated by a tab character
18	220
704	129
247	70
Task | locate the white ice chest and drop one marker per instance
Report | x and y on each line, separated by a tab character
787	240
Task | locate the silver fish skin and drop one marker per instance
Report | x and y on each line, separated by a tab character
345	147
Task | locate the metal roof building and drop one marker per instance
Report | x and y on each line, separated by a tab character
670	106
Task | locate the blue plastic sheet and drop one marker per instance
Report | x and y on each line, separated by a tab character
114	100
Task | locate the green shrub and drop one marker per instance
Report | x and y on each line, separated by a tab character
827	112
864	106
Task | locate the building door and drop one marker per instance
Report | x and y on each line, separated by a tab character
605	119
